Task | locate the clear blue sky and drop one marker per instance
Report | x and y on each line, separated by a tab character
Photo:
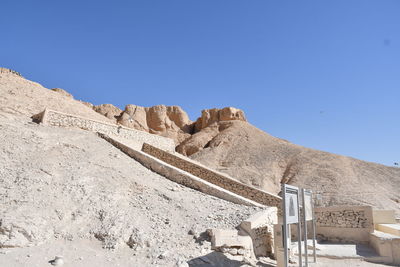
322	74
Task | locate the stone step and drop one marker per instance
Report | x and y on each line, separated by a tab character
387	246
390	228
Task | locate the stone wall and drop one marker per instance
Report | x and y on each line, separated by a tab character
344	217
214	177
344	223
55	118
384	216
176	175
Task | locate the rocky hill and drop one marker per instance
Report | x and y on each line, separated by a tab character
68	192
257	158
61	185
224	140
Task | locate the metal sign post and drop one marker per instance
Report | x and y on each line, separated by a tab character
313	230
308	215
291	214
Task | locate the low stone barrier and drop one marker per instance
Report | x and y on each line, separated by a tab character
179	176
260	226
384	216
387	246
214	177
56	118
345	224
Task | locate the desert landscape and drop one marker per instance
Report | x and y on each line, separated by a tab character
67	192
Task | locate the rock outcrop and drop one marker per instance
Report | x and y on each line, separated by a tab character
210	116
108	110
173	122
168	121
22	97
9	71
201	139
208	126
62	92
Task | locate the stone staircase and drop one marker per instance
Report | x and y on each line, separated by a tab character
385	238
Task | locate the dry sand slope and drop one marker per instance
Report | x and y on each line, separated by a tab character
255	157
70	184
241	150
59	185
20	96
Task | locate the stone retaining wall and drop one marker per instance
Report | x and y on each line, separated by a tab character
344	223
214	177
55	118
176	175
344	217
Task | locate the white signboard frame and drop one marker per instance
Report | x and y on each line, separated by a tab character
292	202
308	215
291	215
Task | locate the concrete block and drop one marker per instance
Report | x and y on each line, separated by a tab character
383	216
260	227
390	228
268	216
382	244
396	251
230	238
386	245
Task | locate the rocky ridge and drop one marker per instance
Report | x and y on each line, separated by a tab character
224	140
63	185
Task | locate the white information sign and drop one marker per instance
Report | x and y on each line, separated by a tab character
308	205
291	200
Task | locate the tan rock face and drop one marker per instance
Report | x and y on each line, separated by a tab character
134	117
173	122
9	71
207	127
168	121
62	91
108	110
201	139
210	116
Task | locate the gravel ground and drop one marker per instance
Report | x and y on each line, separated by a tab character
68	184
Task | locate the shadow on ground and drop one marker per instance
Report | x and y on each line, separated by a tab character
217	259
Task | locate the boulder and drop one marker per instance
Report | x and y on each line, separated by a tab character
108	110
228	241
198	141
210	116
168	121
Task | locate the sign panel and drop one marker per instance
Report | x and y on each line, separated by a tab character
291	207
308	205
